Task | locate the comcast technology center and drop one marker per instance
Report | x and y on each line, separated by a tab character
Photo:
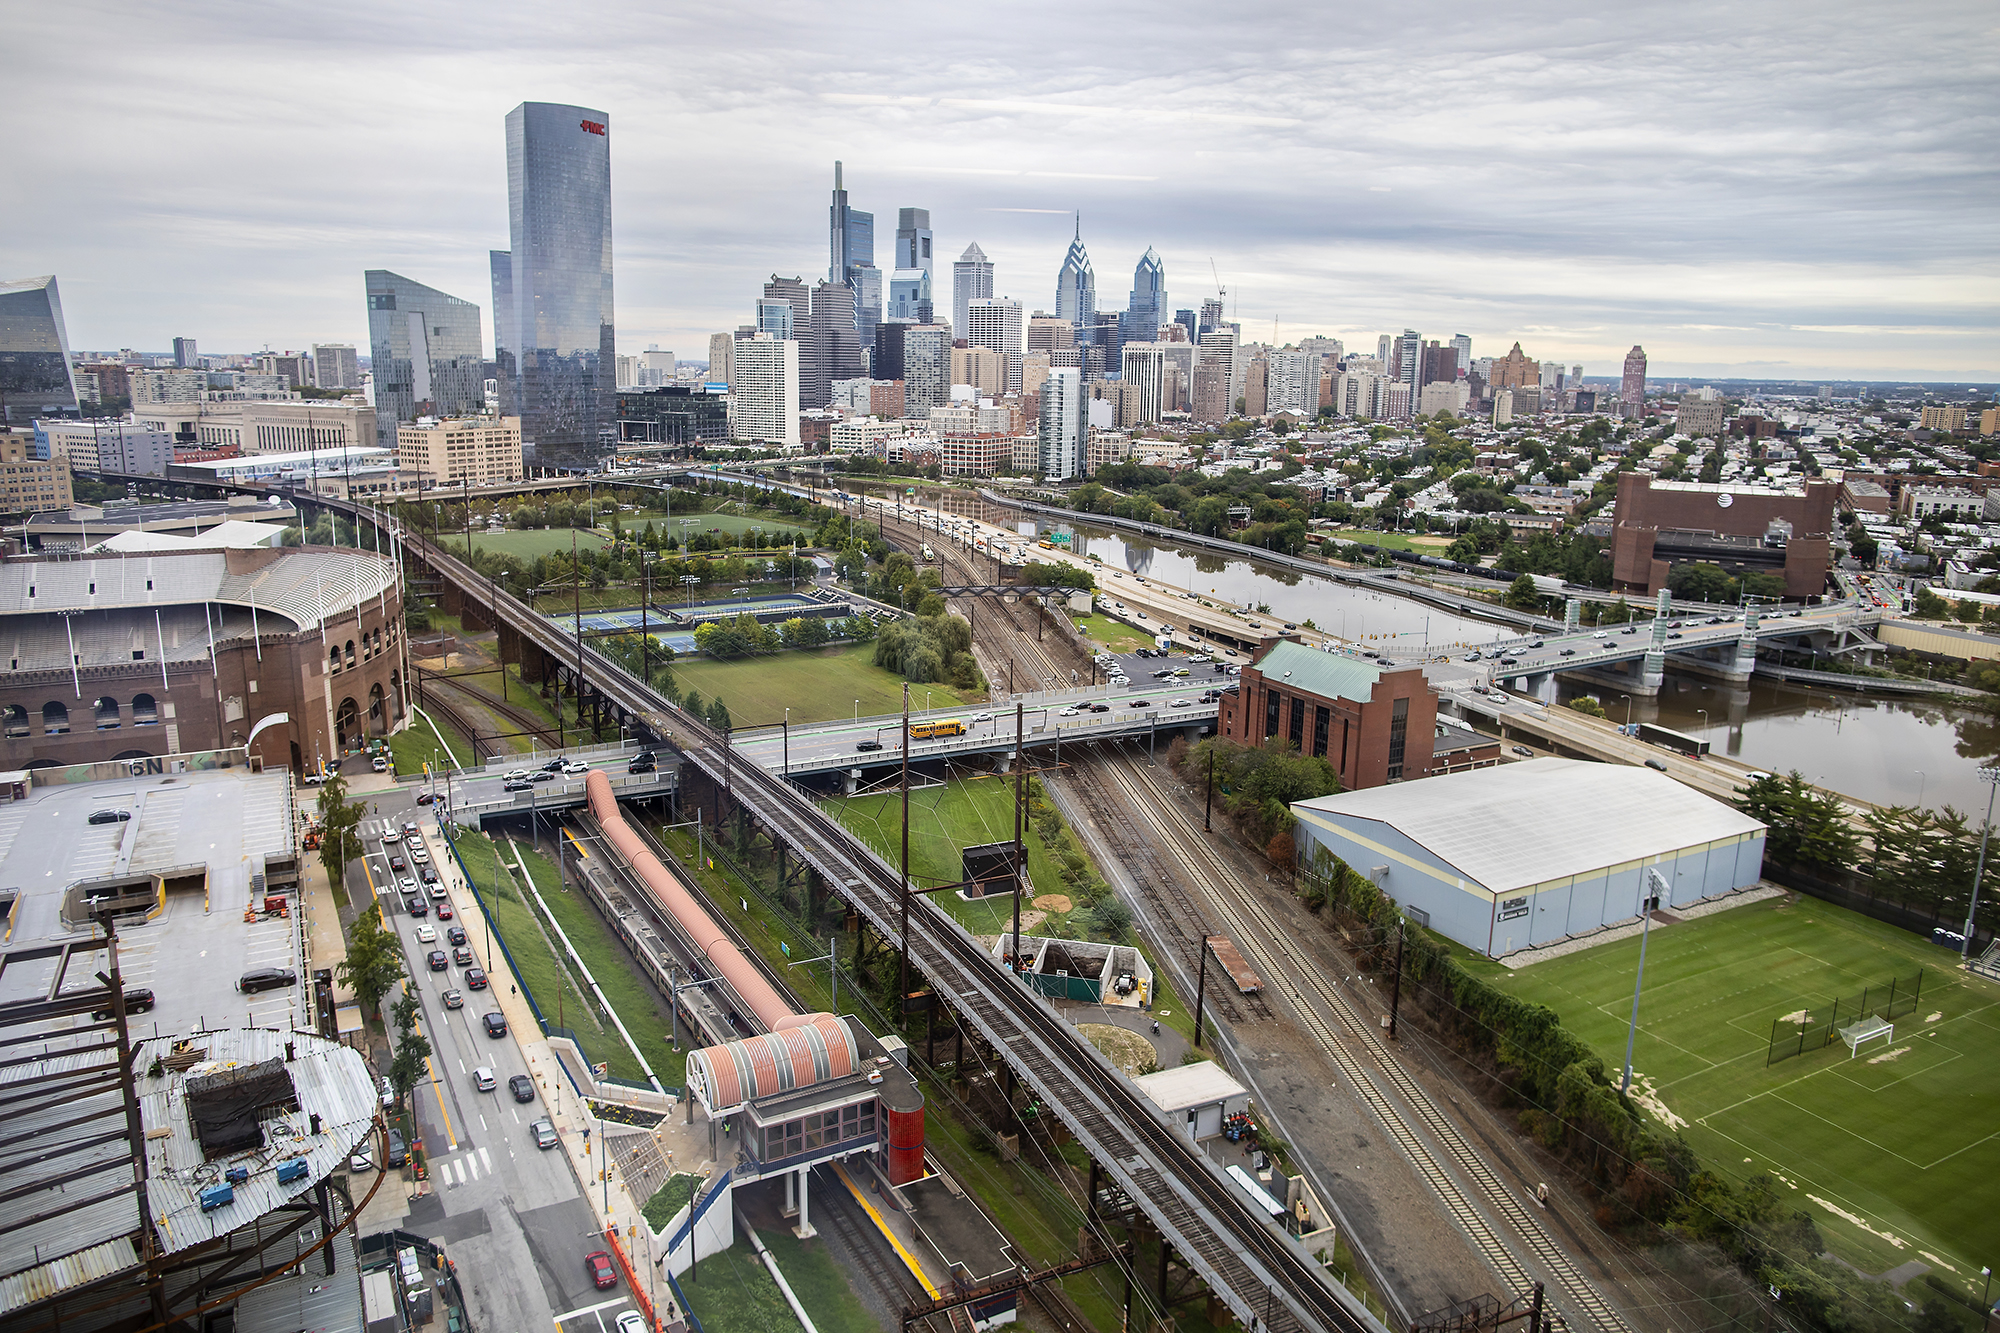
552	290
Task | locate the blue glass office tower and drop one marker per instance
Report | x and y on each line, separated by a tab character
1076	285
851	259
553	318
427	355
1146	310
35	376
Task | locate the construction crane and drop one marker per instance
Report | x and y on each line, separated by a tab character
1220	291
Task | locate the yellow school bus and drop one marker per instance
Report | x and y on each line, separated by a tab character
924	731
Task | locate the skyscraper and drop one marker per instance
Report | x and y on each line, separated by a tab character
851	238
913	241
926	367
774	316
425	351
721	357
35	376
1076	285
1146	309
335	366
1215	376
910	295
1211	315
766	390
836	347
1065	423
185	356
1293	382
1144	366
1632	385
1408	365
1464	346
793	291
555	320
995	323
971	280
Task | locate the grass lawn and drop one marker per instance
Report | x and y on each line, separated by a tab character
528	543
1878	1148
1392	541
944	820
733	1292
416	745
516	922
819	685
733	521
1114	635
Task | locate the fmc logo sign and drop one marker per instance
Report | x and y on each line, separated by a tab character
591	126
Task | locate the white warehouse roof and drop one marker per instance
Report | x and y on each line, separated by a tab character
1518	825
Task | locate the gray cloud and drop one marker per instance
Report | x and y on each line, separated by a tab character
1732	185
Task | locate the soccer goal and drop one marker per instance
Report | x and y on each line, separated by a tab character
1866	1030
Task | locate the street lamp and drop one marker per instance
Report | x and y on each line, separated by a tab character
1628	712
1991	777
1704	718
1921	781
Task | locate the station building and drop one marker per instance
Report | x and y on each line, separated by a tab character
133	657
1524	855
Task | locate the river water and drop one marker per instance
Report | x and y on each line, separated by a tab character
1892	751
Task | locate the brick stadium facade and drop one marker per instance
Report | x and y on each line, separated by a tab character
1662	524
123	657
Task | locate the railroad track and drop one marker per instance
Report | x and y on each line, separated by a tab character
1237	910
1031	659
1241	1256
870	1260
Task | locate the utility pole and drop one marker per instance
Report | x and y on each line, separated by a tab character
1396	987
1200	992
1639	978
903	930
1020	813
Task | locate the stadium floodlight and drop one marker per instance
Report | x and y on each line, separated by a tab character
1991	777
1639	979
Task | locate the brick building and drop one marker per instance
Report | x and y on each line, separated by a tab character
125	657
1373	724
1751	530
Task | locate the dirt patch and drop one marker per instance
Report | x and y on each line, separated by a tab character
1131	1052
1053	902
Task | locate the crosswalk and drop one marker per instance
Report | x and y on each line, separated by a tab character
467	1166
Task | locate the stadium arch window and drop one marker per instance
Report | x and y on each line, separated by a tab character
350	652
145	712
107	714
16	721
375	703
333	661
55	719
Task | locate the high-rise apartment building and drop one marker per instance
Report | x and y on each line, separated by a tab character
1143	367
1215	377
926	367
1186	319
30	480
185	356
1440	364
1146	308
765	392
288	366
913	241
1385	350
851	238
836	343
888	355
1049	334
1292	382
721	357
1464	346
1406	365
995	323
554	338
1076	285
335	365
35	376
971	280
795	293
1632	383
981	369
425	351
1211	316
1065	424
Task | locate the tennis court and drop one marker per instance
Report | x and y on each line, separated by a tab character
629	620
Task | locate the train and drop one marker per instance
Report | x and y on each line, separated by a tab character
925	731
929	554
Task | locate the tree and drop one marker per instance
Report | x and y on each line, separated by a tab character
1807	827
374	962
339	818
412	1047
1588	706
1522	594
1930	606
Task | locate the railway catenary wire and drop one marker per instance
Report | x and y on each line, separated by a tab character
1257	1270
875	1264
1241	1256
1031	658
1586	1303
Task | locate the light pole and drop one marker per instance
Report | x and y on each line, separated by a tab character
1704	718
1991	777
1628	712
1639	977
1921	781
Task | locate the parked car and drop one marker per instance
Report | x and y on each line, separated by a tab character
266	978
601	1270
522	1087
110	816
138	1000
399	1153
496	1024
379	764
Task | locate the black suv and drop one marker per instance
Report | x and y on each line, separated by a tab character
642	762
137	1001
266	978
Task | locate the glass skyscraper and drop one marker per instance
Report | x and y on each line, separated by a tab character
553	331
35	377
851	259
1076	285
426	353
1147	308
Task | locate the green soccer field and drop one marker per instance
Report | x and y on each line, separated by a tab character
1894	1151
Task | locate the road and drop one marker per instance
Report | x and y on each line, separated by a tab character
512	1216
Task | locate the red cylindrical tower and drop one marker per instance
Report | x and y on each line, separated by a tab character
906	1144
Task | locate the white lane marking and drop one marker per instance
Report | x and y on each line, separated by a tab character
461	1065
471	1167
458	1169
482	1120
487	1159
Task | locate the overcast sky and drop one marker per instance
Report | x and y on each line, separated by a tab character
1765	189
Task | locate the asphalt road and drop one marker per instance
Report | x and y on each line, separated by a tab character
512	1216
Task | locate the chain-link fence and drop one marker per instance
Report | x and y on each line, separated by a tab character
1816	1026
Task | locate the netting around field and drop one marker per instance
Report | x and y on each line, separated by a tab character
1817	1026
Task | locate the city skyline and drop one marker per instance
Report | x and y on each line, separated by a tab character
1582	189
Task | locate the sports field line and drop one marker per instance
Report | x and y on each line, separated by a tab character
1846	1068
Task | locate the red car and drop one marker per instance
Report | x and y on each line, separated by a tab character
601	1271
444	911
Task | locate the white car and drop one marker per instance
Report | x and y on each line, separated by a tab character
573	768
410	884
1070	712
418	852
631	1321
982	717
482	1079
391	838
1181	703
1602	634
427	934
516	775
380	764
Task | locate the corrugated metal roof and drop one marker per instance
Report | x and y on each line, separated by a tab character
67	1273
1329	675
1521	824
59	1127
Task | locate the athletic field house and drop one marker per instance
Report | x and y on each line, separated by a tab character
1530	854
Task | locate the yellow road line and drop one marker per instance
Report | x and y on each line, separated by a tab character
908	1259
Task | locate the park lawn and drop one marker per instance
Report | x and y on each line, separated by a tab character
529	543
534	947
962	813
1875	1147
733	522
1392	541
818	685
1113	635
733	1292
